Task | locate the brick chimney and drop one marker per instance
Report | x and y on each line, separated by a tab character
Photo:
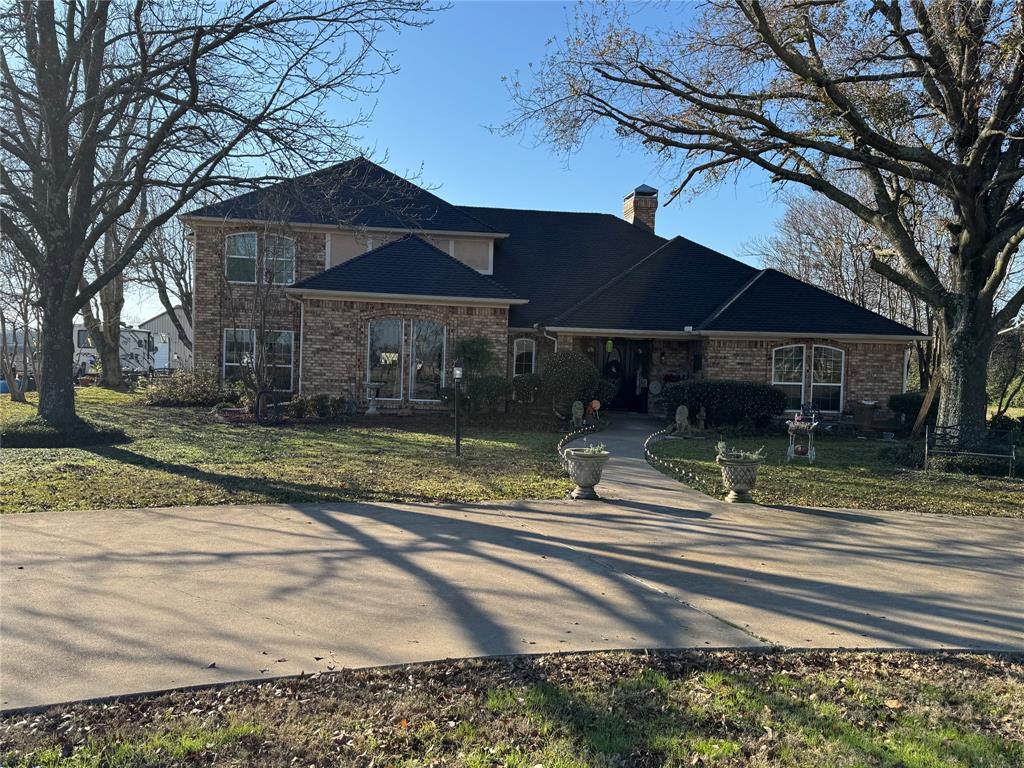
640	206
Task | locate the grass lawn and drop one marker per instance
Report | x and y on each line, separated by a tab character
849	473
605	709
188	456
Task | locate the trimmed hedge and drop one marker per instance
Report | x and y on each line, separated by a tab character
525	387
36	433
909	405
569	376
726	403
488	393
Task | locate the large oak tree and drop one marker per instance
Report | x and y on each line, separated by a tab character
198	96
898	95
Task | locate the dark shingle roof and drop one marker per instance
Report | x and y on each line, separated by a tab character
556	258
678	285
776	303
354	193
409	266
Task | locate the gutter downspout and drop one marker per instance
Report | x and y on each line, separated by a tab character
302	334
538	327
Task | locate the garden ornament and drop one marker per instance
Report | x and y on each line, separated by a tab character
682	421
577	415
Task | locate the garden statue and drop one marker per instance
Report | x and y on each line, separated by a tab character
682	421
702	417
577	415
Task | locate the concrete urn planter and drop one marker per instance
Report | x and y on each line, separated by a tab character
739	476
584	470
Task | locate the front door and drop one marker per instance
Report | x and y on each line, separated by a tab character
626	362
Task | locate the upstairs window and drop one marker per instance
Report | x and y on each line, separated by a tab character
240	257
524	356
827	379
788	374
280	259
243	262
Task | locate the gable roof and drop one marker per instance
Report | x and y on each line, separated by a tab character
409	266
557	258
356	193
676	286
774	302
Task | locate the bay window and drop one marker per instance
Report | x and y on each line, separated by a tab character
827	379
788	374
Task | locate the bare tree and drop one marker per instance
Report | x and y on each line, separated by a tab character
898	95
165	266
202	95
18	321
825	244
1006	370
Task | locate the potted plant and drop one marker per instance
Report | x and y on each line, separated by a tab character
739	471
585	466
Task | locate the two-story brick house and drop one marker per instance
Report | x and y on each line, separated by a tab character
362	283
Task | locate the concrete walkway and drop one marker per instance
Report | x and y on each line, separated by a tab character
109	602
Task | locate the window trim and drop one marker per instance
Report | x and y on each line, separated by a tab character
533	355
256	260
291	362
803	372
412	350
401	358
252	352
267	259
842	376
224	349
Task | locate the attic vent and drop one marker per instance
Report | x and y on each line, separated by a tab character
640	206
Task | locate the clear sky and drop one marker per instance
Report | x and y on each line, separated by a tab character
431	120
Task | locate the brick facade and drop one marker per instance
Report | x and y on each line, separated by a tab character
219	305
334	357
872	370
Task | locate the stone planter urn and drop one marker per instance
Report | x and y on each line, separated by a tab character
585	469
739	473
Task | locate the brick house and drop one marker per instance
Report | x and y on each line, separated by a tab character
360	284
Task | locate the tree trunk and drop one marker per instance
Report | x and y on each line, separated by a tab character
111	375
56	391
963	375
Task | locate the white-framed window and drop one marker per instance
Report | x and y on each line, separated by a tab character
788	373
280	259
524	356
278	355
384	358
279	350
827	378
240	257
238	347
428	341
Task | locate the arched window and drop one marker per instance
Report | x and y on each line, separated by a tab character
827	379
524	356
788	374
279	259
427	347
240	257
384	358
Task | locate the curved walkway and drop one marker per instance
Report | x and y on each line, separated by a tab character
109	602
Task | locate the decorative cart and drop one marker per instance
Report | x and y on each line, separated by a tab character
801	438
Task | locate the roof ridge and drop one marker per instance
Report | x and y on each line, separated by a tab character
729	302
543	210
615	279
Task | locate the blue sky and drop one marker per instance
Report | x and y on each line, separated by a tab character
431	120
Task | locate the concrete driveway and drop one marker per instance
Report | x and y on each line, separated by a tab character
109	602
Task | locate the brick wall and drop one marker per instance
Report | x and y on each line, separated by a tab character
334	356
872	370
220	304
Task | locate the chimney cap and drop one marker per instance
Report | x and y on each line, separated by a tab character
643	191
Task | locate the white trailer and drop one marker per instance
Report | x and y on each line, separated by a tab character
138	348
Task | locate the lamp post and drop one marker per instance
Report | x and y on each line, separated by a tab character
457	375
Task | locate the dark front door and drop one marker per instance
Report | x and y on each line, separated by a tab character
625	362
